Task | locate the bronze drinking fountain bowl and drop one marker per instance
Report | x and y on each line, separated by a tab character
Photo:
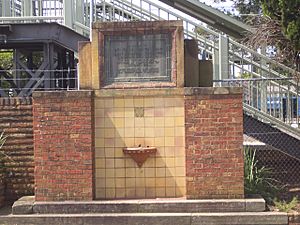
139	154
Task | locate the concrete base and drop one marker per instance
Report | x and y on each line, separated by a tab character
26	205
146	212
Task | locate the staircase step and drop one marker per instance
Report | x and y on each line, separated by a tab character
27	205
236	218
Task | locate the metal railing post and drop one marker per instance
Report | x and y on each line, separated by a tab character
27	8
223	57
5	10
68	13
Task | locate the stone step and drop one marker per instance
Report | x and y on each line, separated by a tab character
236	218
27	205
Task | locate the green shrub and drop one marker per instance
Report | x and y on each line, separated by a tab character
284	206
2	154
258	179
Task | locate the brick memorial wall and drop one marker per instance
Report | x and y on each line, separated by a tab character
63	147
214	141
16	123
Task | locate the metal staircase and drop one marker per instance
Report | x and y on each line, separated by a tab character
271	94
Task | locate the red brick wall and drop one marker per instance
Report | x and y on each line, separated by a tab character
2	188
63	145
16	123
214	140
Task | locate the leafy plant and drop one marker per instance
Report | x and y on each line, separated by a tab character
258	179
2	154
284	206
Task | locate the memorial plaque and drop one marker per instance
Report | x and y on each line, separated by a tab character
137	58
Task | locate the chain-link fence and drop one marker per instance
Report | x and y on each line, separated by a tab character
276	150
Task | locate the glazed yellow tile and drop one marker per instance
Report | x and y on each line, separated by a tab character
150	192
99	122
169	141
170	161
99	142
109	163
128	102
140	182
110	182
169	131
149	132
120	192
159	121
149	122
119	122
100	163
119	163
139	122
120	182
160	192
170	192
119	132
109	173
100	182
129	112
119	152
179	121
150	182
129	142
178	111
110	193
139	141
169	121
139	132
169	151
109	133
109	152
159	141
159	131
179	161
160	162
148	102
119	103
169	112
180	181
130	172
180	171
149	172
109	142
120	172
129	122
159	102
160	172
140	172
108	123
170	182
108	103
99	112
140	192
138	102
100	173
179	131
99	103
149	112
149	141
119	113
130	182
129	133
99	152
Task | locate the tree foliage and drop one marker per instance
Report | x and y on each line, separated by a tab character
288	13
